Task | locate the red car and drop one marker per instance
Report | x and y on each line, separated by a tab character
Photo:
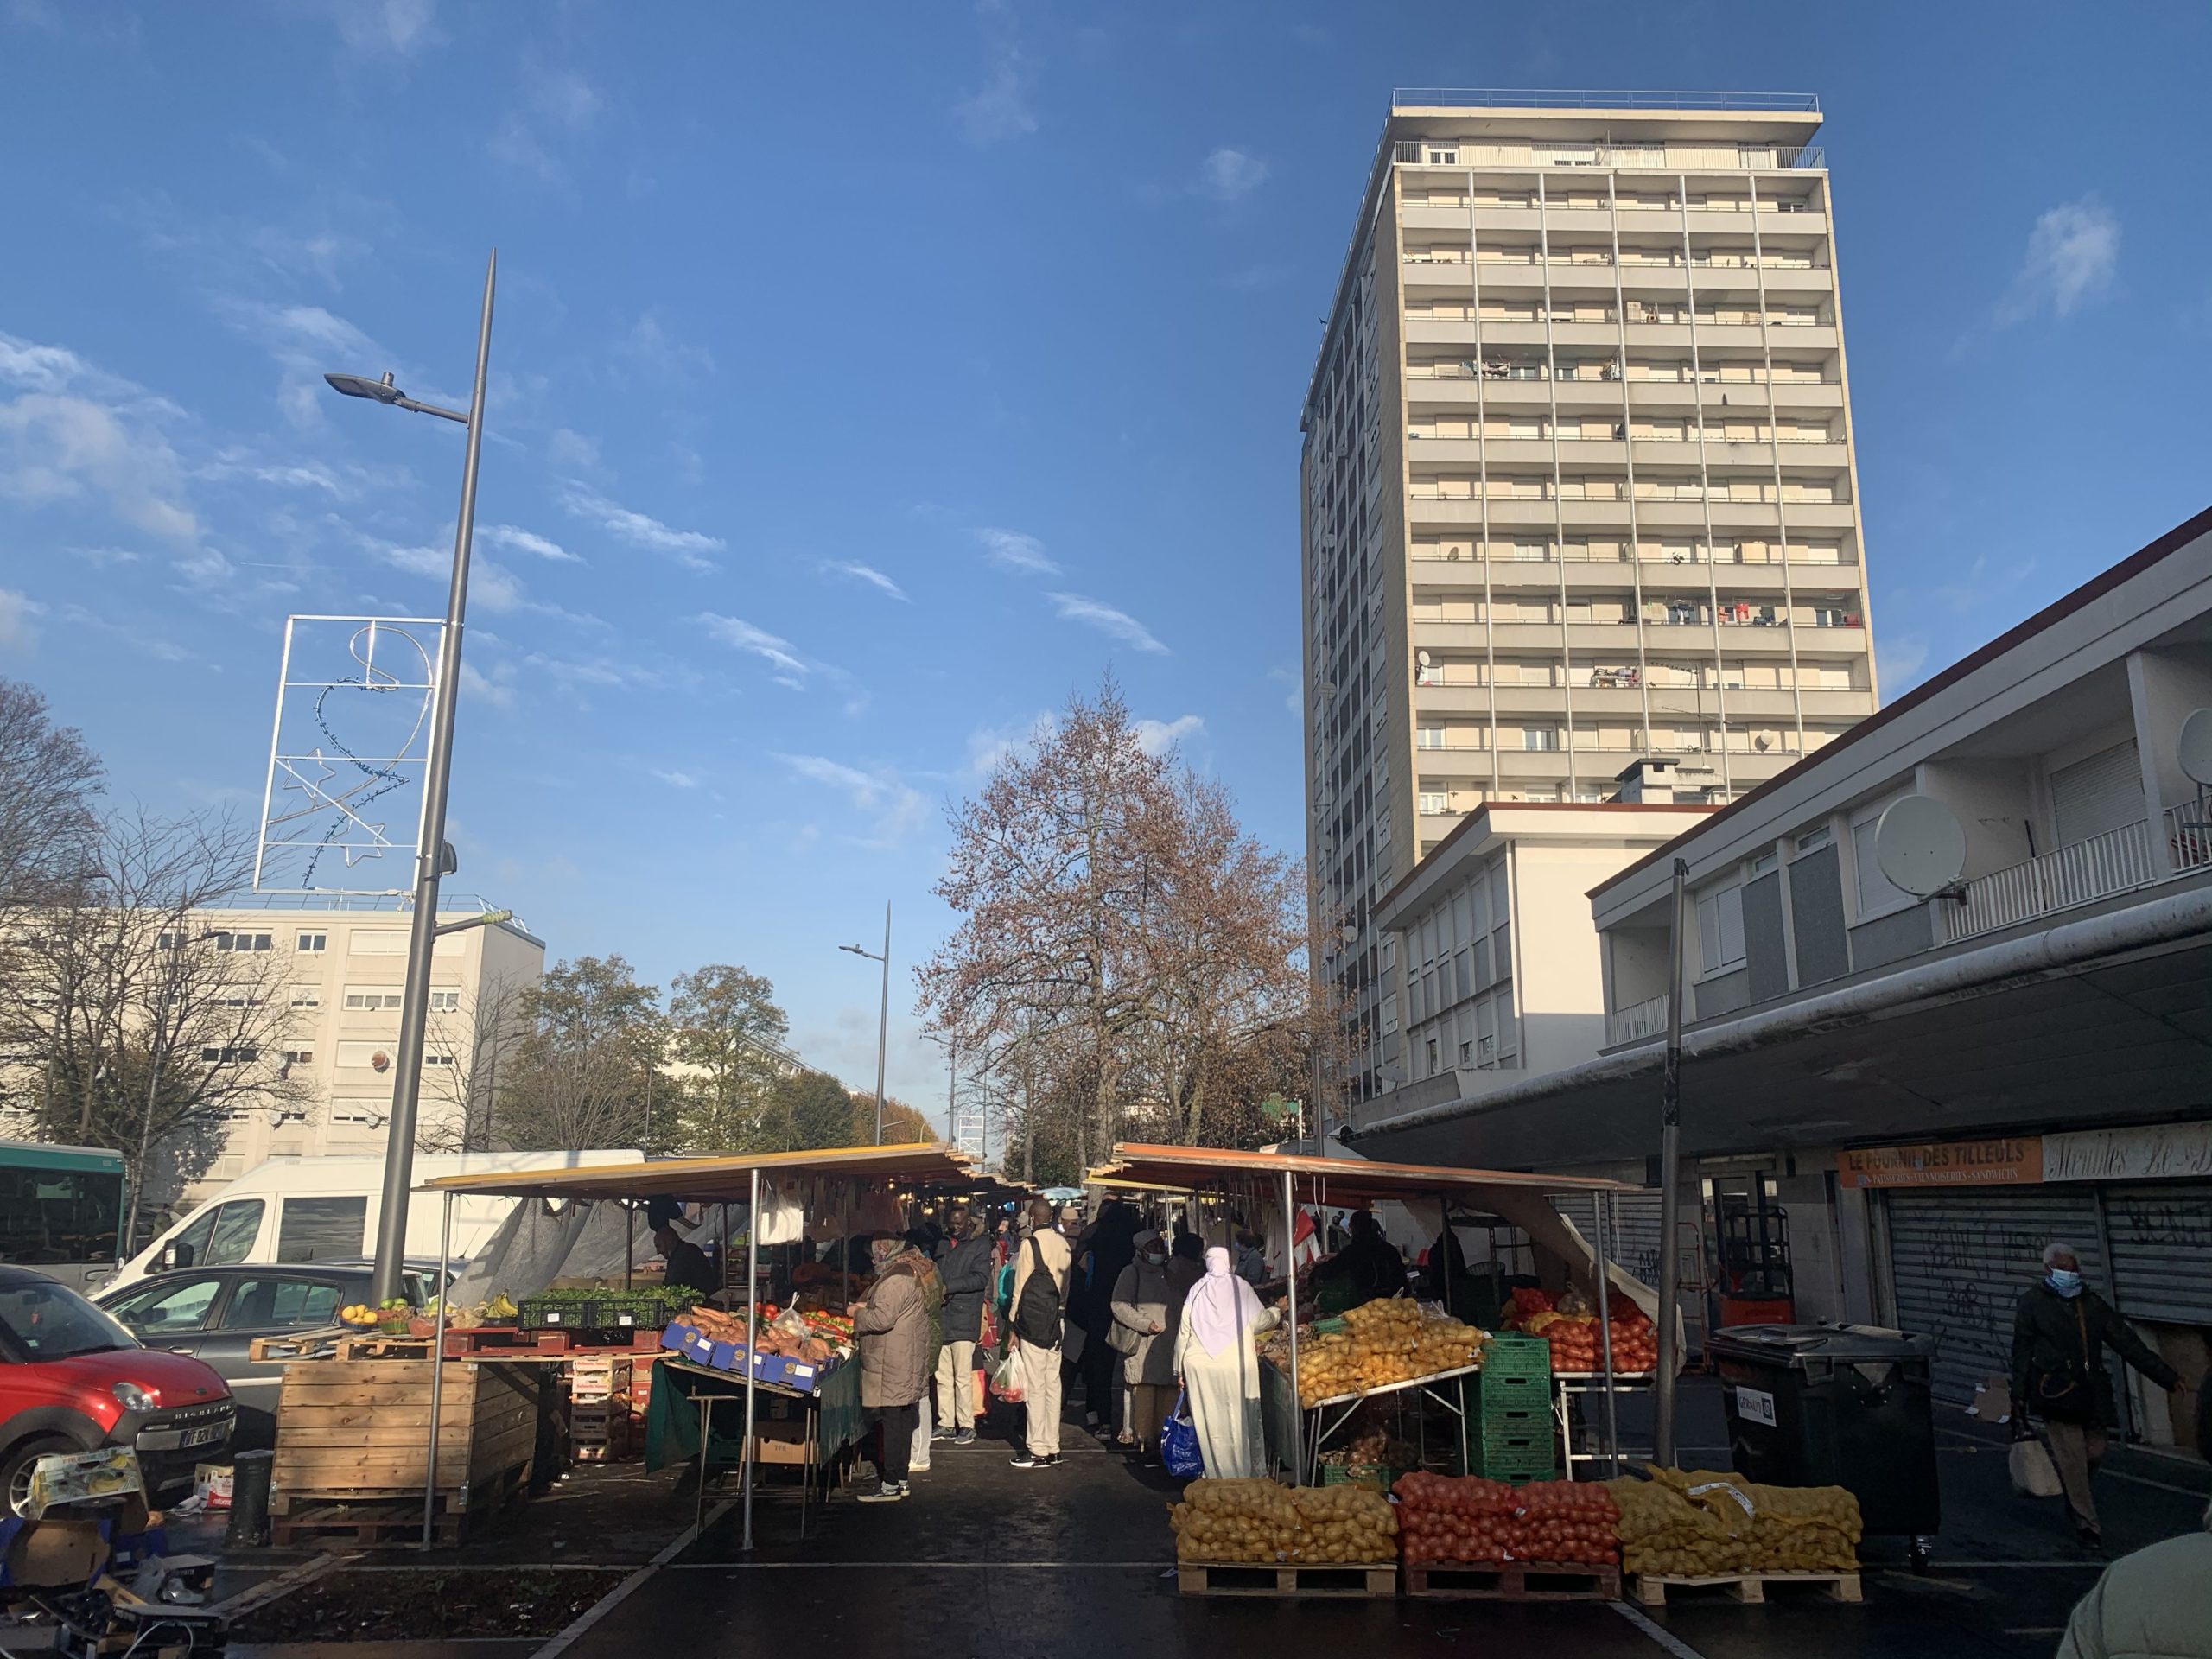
72	1379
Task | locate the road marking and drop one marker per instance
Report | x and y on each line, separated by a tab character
283	1584
615	1598
1666	1638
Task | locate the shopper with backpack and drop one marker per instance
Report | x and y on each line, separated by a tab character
1039	1305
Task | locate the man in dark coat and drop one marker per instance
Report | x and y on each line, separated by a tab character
967	1274
2060	1332
1111	1247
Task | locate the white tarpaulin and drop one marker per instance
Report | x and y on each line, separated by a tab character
539	1244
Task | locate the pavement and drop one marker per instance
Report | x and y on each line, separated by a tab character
989	1560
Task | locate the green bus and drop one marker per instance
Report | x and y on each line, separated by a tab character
61	1210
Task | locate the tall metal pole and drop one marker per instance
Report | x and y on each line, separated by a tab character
430	855
437	1373
1290	1277
752	1337
883	1023
952	1093
1670	1157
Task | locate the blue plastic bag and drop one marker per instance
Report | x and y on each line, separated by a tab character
1178	1443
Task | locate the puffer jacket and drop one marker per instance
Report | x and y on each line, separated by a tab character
892	1326
967	1274
2156	1604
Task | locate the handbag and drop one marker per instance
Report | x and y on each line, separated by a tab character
1178	1443
2033	1475
1122	1339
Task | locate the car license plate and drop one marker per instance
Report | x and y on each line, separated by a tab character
204	1436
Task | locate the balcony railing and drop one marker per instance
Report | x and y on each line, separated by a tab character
1485	97
1645	1019
2189	834
2088	870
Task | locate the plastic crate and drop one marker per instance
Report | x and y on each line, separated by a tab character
1503	1393
1515	1458
538	1313
1505	1425
1513	1353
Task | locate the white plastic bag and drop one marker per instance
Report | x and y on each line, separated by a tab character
2033	1475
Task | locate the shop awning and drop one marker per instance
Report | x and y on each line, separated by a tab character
1340	1181
725	1179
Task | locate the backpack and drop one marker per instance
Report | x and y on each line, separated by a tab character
1037	1316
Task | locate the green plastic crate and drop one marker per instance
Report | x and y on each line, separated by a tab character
1515	1458
1503	1426
1499	1393
1511	1353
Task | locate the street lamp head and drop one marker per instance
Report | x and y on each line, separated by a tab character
359	385
858	951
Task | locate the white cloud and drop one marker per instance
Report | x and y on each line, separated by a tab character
1011	550
1158	736
17	610
399	27
676	779
1000	108
1900	661
497	688
651	347
688	548
572	452
513	143
1227	174
991	748
741	635
1075	607
100	557
897	809
2073	254
207	570
867	573
527	541
56	448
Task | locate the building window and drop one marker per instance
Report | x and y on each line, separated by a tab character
243	941
312	942
229	1056
1429	737
371	999
1434	801
1539	737
445	1001
299	1057
437	1059
1813	840
1721	929
307	996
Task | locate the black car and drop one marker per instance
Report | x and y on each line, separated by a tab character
214	1314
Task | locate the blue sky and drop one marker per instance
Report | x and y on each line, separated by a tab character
866	378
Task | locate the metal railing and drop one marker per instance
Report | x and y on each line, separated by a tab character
1645	1019
2189	834
1553	98
2087	870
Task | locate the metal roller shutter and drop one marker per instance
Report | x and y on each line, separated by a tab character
2098	795
1959	1261
2162	1250
1637	1248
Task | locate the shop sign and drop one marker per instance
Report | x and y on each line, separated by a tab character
2172	1152
2013	1161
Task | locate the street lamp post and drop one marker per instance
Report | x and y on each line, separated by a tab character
883	1017
429	851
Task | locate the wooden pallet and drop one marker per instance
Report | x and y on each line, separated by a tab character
1512	1581
1654	1589
371	1522
351	1430
1285	1578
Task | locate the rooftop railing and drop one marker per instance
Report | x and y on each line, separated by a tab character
1460	97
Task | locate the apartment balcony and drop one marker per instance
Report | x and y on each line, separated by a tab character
1595	221
1439	395
2188	829
1637	1022
1511	276
1620	701
1837	704
1580	516
2116	862
1429	275
1696	577
1795	279
1587	639
1613	577
1806	516
1815	456
1515	637
1655	513
1587	336
1668	282
1440	331
1425	456
1508	513
1741	705
1825	396
1431	216
1580	454
1722	336
1517	767
1425	514
1752	639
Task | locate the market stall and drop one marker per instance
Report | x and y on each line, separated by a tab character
791	1354
1312	1385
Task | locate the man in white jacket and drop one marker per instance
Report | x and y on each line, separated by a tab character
1037	1361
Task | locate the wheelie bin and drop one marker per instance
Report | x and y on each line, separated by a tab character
1836	1405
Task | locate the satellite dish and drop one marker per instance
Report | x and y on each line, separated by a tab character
1422	656
2194	750
1920	846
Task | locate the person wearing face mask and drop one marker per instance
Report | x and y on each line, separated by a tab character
1148	1308
2060	1332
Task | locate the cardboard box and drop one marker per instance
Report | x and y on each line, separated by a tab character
211	1484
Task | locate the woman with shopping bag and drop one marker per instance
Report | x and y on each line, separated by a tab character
1147	1306
1217	1358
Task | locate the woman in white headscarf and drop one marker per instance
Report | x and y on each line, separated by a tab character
1218	1359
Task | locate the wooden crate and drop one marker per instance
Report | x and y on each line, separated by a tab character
369	1522
1655	1589
1512	1581
354	1431
1285	1578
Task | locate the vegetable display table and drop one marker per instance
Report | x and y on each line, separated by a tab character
1296	1438
683	1421
1570	1387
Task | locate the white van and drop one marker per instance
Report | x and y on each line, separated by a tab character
325	1210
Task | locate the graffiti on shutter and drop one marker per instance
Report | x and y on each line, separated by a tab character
2162	1249
1959	1259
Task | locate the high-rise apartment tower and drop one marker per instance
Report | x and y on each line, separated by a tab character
1578	485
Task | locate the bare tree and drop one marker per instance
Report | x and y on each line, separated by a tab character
464	1049
128	1020
48	832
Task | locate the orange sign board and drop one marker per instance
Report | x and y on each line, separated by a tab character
2013	1161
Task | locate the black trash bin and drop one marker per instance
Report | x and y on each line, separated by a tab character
1835	1405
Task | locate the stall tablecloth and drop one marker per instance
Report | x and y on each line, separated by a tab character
672	1413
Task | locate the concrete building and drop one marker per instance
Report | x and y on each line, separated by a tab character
1913	1094
1491	963
342	973
1578	481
